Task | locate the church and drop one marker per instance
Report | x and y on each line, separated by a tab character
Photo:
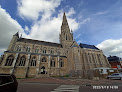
34	58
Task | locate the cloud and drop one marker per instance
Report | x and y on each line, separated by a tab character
101	13
27	31
111	47
46	26
85	21
71	12
78	36
32	9
8	27
79	41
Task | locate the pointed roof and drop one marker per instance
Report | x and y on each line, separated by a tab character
17	34
64	19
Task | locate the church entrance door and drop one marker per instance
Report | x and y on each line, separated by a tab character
42	70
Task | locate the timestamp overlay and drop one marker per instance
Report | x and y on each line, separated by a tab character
106	87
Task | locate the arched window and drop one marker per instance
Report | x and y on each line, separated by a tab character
36	50
99	58
18	48
52	51
22	61
89	57
33	61
44	50
66	37
9	60
27	49
61	63
58	52
1	59
52	63
43	59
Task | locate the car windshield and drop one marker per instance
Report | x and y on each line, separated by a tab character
115	74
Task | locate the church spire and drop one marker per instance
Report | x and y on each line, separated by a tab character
64	22
66	35
16	34
65	26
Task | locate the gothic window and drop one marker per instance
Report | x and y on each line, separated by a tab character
93	58
52	63
9	60
33	61
98	58
36	50
1	58
18	48
66	37
69	37
89	57
44	50
22	61
52	51
102	61
27	49
58	53
61	63
43	59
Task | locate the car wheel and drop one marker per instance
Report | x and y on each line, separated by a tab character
109	78
121	78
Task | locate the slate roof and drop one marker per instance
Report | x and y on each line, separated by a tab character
39	42
88	46
114	59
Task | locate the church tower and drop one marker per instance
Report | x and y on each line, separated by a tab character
13	41
66	36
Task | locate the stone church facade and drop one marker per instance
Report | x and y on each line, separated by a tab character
34	58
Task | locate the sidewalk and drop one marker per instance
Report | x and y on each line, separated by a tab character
69	81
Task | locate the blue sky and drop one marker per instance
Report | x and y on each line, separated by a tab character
95	22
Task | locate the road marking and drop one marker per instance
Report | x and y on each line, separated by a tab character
68	88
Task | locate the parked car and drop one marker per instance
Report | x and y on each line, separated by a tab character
8	83
115	76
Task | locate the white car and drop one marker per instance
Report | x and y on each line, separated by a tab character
115	76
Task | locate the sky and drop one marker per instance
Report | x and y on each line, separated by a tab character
94	22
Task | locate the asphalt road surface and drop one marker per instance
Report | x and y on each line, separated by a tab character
38	87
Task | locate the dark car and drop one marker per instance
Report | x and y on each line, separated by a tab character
8	83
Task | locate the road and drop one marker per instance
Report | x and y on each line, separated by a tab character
38	87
